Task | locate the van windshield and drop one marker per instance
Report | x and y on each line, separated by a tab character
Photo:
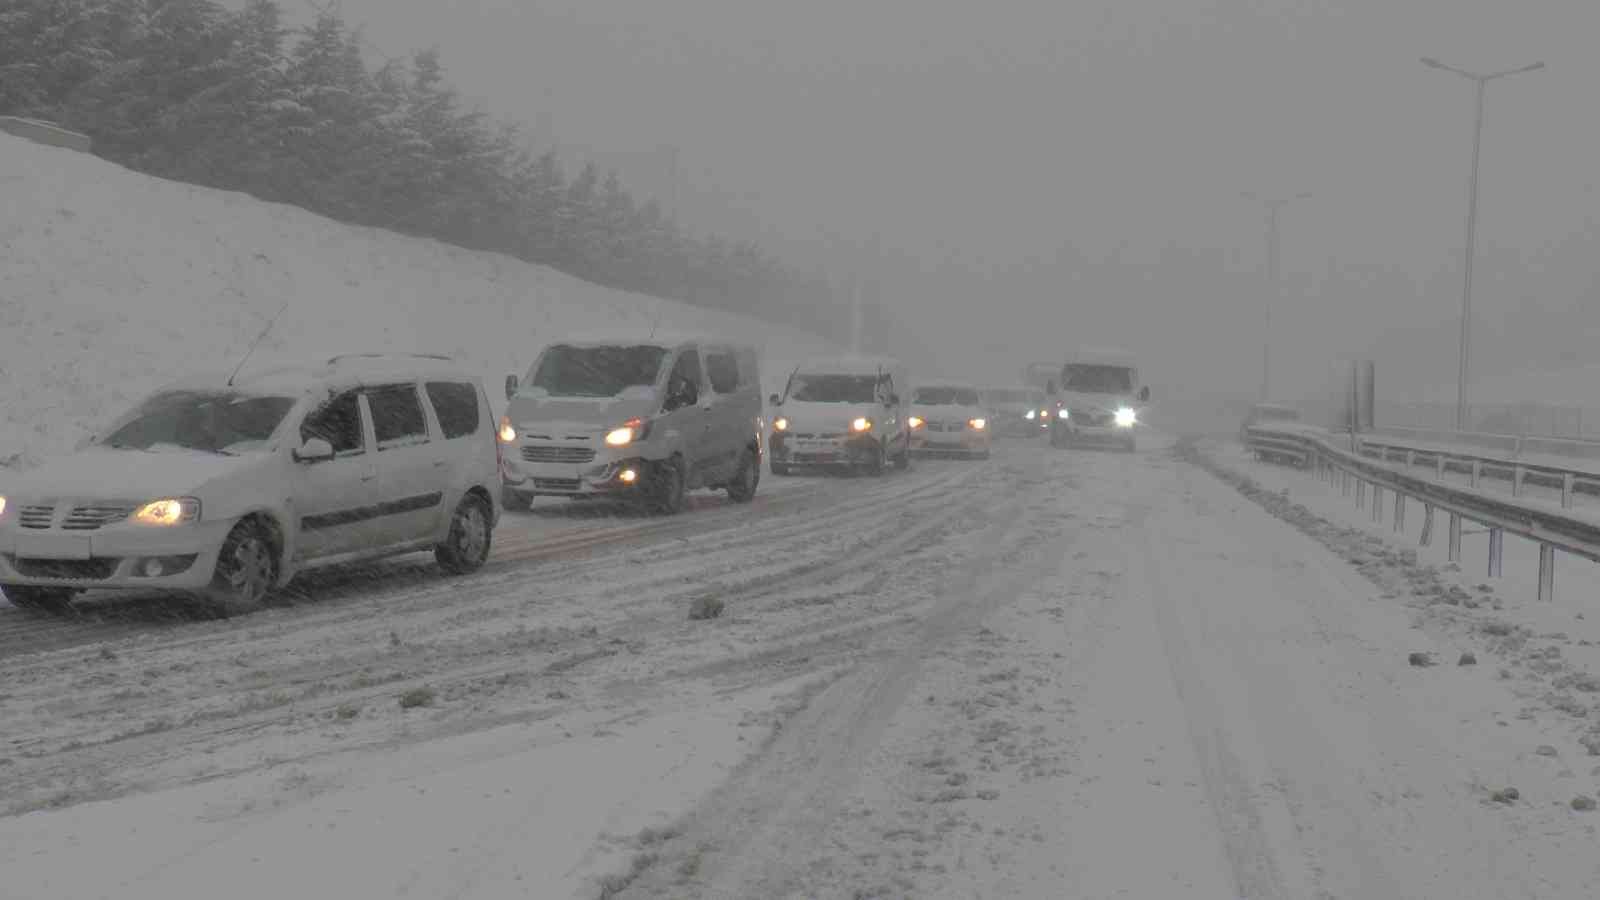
602	371
834	388
213	421
1093	379
947	396
1004	395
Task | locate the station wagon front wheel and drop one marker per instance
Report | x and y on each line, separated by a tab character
466	547
246	568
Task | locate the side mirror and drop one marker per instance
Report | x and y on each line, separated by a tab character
775	400
314	450
1144	394
511	386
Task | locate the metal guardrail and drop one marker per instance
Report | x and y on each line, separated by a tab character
1355	472
1569	480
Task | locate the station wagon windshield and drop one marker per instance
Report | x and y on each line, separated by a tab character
215	422
834	388
567	371
947	396
1090	379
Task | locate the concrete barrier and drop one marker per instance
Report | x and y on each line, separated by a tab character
45	133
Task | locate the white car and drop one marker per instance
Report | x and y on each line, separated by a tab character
1098	399
841	413
225	488
949	419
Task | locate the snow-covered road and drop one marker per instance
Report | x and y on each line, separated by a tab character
1054	674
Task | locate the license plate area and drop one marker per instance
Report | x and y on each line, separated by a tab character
53	546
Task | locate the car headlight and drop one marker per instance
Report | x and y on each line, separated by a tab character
2	506
1127	418
978	424
168	511
1028	415
628	432
916	421
780	424
507	433
1062	413
861	424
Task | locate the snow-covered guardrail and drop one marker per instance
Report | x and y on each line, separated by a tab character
1550	526
1521	461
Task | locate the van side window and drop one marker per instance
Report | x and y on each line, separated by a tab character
456	405
397	419
683	385
723	370
339	423
749	369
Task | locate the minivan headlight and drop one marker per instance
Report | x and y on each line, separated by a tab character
628	432
978	424
508	434
168	511
916	422
1127	418
2	506
781	423
861	423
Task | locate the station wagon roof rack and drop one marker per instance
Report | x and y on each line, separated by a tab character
335	360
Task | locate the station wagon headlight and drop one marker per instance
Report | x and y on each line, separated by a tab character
977	424
781	423
168	511
1028	415
628	432
1126	418
861	424
916	422
2	506
508	434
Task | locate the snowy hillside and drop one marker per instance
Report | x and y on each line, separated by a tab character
112	283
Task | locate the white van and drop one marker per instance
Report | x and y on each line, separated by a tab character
1097	398
226	487
845	412
639	419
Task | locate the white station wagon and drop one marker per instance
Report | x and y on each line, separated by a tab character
225	487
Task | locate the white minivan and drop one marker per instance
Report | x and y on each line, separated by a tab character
844	412
226	487
1097	399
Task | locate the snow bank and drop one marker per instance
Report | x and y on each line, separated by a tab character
113	283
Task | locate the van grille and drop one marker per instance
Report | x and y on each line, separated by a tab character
558	454
556	484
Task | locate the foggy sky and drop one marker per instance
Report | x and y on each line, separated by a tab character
977	140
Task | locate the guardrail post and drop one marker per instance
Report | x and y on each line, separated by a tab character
1516	481
1427	524
1377	503
1455	537
1399	511
1411	458
1477	470
1344	482
1361	494
1566	491
1547	573
1497	544
1438	466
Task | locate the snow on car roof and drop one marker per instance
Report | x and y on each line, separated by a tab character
1101	356
849	365
660	339
303	376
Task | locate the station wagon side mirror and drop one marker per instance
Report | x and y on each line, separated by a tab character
775	400
314	450
511	386
1144	394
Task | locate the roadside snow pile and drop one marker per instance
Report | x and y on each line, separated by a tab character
1548	653
113	283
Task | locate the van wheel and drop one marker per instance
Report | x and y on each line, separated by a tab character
466	547
666	489
44	599
247	567
742	489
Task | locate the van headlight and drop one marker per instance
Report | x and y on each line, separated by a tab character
628	432
861	424
508	433
977	424
1028	415
781	423
1127	418
916	422
168	511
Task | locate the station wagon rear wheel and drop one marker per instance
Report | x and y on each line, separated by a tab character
466	547
247	566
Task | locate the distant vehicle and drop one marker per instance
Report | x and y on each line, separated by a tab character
1018	411
225	488
842	413
1097	396
1040	374
949	419
643	420
1263	413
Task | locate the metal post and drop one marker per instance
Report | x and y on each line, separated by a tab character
1547	573
1477	471
1427	525
1377	503
1411	458
1566	491
1472	243
1455	538
1399	511
1272	289
1497	544
1361	494
1516	481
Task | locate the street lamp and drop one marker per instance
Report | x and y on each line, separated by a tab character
1273	204
1472	221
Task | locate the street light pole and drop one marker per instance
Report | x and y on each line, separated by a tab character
1272	205
1472	224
